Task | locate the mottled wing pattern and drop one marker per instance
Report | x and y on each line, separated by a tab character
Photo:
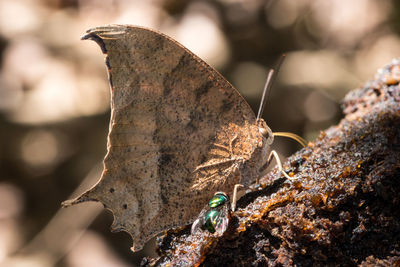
175	125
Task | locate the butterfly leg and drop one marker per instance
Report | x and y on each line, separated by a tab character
234	196
222	147
231	144
211	163
278	163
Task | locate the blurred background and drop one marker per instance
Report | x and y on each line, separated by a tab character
54	98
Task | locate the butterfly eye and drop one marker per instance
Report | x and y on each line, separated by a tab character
265	130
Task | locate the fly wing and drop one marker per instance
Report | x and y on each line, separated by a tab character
198	224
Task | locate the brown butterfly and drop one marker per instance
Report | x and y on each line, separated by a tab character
179	132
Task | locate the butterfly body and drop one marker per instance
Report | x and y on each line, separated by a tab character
179	131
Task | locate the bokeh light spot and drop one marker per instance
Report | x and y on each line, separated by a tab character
39	148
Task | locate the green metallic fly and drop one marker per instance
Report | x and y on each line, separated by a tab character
214	218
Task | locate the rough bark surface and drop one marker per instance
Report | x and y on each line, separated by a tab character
342	209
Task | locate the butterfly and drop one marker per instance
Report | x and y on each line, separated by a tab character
179	131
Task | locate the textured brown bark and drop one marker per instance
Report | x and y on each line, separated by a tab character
343	208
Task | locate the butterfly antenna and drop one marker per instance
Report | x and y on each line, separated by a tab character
265	95
268	85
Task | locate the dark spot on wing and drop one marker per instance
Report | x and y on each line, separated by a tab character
172	78
164	199
196	118
164	159
203	89
226	105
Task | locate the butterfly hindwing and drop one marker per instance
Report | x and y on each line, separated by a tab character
178	132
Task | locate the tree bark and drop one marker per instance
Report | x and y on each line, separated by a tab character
342	208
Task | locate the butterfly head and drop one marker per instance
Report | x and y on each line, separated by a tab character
265	131
251	168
